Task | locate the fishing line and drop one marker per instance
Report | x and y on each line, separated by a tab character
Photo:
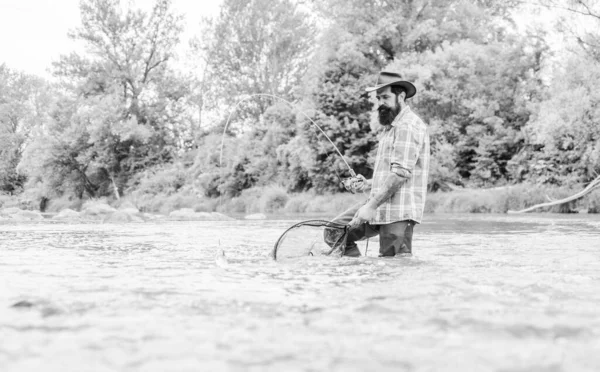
352	173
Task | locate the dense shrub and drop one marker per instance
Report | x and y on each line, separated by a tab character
246	202
7	201
160	180
64	202
165	203
273	199
258	199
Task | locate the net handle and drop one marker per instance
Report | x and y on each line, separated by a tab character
335	245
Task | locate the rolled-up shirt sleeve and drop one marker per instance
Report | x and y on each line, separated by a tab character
405	153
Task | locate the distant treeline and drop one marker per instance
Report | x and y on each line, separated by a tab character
131	117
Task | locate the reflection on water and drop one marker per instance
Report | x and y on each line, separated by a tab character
482	292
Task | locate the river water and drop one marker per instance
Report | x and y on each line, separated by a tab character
481	293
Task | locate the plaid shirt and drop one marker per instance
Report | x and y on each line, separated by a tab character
404	150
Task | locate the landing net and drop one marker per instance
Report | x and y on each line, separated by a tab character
311	238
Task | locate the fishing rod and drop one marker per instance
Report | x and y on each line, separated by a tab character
352	173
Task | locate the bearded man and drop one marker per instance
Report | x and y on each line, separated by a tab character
399	183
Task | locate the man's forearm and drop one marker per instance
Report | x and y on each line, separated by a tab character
390	186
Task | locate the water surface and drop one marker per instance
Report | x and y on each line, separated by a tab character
482	292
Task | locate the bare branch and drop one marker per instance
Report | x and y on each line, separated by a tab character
569	9
593	185
589	12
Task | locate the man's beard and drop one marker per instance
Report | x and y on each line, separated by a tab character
387	114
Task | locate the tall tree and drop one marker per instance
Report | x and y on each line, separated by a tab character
383	29
76	150
24	103
564	135
131	107
252	47
127	47
255	46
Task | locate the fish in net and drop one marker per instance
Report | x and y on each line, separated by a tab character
311	238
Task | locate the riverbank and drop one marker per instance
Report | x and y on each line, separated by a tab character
275	200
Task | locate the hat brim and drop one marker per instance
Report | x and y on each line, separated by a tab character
410	89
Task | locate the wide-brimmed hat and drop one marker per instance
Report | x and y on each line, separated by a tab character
386	78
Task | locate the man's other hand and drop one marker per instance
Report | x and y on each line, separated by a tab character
364	214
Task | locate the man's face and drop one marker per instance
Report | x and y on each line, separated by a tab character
388	106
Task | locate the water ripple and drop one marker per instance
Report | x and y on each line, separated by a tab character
487	292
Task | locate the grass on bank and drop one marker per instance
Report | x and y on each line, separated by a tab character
275	200
513	198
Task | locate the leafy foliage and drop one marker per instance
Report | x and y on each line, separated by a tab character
123	110
475	97
255	46
466	92
565	128
24	105
121	120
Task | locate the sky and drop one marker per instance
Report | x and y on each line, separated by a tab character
33	33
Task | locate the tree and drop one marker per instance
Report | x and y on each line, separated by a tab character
131	48
252	47
253	158
24	104
52	161
131	109
342	111
364	37
255	46
476	97
382	30
564	135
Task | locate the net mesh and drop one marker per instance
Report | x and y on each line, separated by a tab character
313	237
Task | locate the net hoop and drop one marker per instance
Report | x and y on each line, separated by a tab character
314	223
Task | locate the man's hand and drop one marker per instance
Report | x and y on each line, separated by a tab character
356	184
364	214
